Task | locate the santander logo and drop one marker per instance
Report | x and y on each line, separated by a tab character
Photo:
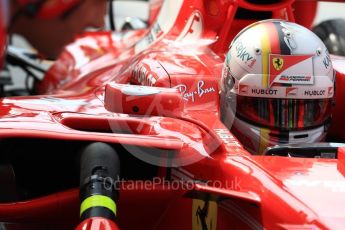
291	91
330	91
244	88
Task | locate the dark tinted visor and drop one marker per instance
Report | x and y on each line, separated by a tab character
284	114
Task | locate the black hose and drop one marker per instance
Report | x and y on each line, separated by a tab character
99	172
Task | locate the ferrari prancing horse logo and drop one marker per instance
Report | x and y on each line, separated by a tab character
278	63
204	215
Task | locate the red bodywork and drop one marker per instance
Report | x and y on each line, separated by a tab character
237	190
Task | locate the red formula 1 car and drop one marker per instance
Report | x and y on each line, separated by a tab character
131	138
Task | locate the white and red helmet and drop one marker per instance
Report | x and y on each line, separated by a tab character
277	86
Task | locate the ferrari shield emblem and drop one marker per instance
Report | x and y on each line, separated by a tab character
278	63
204	215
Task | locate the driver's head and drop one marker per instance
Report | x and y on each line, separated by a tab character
277	86
49	25
3	29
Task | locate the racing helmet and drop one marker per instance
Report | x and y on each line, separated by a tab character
277	86
4	9
45	9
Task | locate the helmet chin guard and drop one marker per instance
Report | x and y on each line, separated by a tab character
278	85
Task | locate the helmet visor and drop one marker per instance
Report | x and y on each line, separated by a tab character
284	114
